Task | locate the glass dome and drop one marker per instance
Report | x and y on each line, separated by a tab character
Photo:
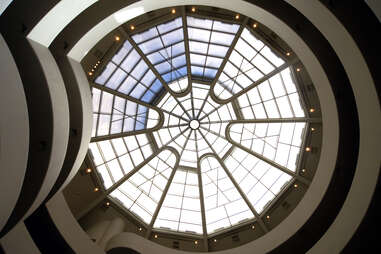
198	125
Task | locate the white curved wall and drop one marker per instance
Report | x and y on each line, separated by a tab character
60	111
87	120
69	228
14	133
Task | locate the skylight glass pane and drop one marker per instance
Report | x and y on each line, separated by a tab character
165	51
109	69
272	140
220	204
275	94
114	114
181	209
143	189
251	60
211	42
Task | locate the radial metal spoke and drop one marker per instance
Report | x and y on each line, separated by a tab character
136	169
153	68
270	162
276	120
228	53
243	195
263	226
164	194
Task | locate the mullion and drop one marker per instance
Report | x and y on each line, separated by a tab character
169	61
207	50
204	66
117	157
207	29
287	94
163	48
250	61
98	114
112	114
117	66
161	39
158	33
105	163
200	54
165	60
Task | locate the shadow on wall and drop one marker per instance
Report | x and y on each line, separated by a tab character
122	251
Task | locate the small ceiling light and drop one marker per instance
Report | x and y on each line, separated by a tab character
173	11
193	9
88	170
93	69
117	38
237	16
140	229
255	25
96	189
108	203
215	240
132	27
303	170
196	242
288	54
155	236
90	73
253	227
295	186
312	110
312	129
297	69
268	217
308	149
98	62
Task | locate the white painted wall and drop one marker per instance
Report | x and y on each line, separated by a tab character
14	133
3	5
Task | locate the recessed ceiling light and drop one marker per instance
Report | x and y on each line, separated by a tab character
193	9
173	11
96	189
237	16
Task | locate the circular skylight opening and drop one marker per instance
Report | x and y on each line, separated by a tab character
202	151
194	124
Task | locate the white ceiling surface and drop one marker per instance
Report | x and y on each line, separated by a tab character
375	5
367	104
4	4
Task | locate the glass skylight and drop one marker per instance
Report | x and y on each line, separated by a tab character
192	163
250	61
164	47
127	73
209	41
113	114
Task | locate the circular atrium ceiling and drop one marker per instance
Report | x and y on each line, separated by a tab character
199	124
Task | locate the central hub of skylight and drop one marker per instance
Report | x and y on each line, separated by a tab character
152	154
194	124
